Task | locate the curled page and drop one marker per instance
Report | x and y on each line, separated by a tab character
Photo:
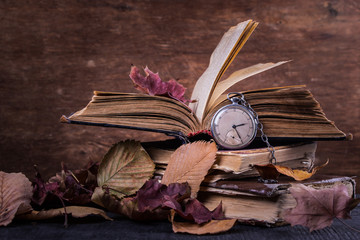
230	44
238	76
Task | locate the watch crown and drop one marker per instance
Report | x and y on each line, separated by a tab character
235	100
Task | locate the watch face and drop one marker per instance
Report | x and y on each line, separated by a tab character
233	127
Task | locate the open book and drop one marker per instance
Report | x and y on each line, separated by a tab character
286	112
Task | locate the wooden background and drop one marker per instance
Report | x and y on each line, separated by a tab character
53	54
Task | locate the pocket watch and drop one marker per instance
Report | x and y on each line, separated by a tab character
234	126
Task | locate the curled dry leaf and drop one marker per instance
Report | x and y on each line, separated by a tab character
316	208
15	196
75	211
190	163
152	84
212	227
124	169
271	171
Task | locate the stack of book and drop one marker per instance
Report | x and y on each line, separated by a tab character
292	119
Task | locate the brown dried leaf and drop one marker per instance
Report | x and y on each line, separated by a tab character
190	163
75	211
212	227
125	168
316	208
15	196
299	175
271	171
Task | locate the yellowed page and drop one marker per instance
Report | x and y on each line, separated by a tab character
238	76
225	52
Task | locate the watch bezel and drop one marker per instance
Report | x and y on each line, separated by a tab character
219	141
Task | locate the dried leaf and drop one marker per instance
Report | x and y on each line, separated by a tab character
41	189
299	175
316	208
152	84
271	171
127	207
190	163
154	194
73	187
15	196
153	201
212	227
75	211
87	176
196	212
125	168
70	188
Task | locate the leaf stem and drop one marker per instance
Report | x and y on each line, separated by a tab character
78	182
66	214
347	225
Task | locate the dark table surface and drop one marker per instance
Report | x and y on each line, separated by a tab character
121	228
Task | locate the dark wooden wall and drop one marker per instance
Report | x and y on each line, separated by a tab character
53	54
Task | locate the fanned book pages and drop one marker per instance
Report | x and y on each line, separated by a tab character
286	112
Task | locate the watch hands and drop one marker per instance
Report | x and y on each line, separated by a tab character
234	127
239	125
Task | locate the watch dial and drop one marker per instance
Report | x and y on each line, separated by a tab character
233	127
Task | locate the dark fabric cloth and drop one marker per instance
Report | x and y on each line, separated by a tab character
121	228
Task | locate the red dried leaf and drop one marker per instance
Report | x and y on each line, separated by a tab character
153	201
73	187
41	189
196	212
154	194
152	84
316	209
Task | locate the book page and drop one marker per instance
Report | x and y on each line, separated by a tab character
136	111
238	76
230	44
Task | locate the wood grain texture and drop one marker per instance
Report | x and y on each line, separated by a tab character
55	53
